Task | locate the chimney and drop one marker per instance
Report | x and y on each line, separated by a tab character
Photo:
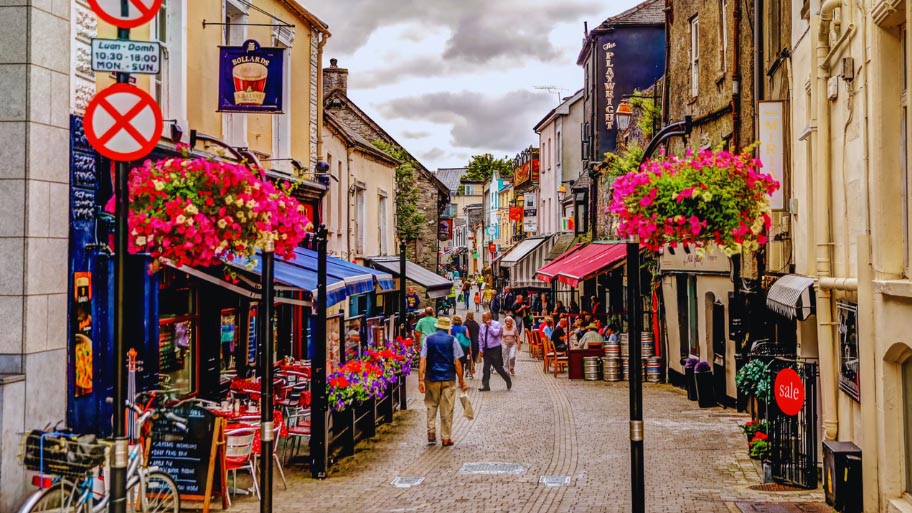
335	77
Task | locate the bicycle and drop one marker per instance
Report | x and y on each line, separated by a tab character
76	489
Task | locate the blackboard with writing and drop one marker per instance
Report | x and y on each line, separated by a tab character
192	457
252	336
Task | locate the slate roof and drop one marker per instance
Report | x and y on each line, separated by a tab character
647	13
451	176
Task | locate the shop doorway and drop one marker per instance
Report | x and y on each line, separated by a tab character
718	348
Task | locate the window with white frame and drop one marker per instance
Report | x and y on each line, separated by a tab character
360	220
160	32
169	85
384	229
339	196
283	37
723	35
907	407
234	125
694	56
904	156
328	201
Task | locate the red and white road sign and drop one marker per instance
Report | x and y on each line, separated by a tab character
789	392
123	122
140	12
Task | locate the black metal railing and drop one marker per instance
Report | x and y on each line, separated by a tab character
793	439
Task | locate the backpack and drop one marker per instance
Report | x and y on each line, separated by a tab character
463	341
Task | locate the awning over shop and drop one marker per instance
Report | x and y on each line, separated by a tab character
519	251
299	277
436	285
548	272
589	261
792	296
358	278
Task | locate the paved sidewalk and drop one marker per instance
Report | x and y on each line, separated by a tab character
696	459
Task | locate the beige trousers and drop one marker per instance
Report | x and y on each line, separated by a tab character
440	395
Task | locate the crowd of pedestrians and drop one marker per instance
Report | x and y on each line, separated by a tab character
452	346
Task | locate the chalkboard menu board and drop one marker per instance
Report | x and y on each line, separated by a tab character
193	457
252	335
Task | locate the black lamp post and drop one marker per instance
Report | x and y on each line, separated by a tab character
635	322
319	401
267	438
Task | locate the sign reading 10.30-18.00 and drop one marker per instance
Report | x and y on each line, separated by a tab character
124	56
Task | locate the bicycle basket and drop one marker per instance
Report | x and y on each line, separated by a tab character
60	454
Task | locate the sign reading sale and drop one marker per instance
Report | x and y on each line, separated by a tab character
789	391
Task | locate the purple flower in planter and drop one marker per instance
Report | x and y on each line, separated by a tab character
691	362
702	367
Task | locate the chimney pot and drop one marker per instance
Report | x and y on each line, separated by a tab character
335	77
333	63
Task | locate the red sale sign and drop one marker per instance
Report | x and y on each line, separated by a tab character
789	391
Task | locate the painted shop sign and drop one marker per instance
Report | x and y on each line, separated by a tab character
609	84
772	147
251	78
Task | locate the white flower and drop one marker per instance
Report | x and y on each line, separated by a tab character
222	224
239	203
701	252
229	200
158	185
141	240
180	219
191	209
251	203
707	196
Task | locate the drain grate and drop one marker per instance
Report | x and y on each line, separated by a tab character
554	480
407	482
776	487
492	468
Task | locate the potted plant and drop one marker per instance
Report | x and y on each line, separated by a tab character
759	446
703	377
751	427
689	384
753	381
706	197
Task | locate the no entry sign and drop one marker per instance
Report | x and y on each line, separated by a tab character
123	122
140	12
789	391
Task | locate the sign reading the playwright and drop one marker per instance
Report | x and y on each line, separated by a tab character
120	56
251	78
772	147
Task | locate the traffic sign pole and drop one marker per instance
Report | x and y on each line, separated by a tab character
119	463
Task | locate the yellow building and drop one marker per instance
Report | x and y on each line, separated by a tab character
187	88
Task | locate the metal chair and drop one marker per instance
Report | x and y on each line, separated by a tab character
239	455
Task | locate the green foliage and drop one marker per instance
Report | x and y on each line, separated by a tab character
482	167
753	379
626	161
760	449
409	219
649	112
753	426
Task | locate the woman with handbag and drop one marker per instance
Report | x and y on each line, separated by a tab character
510	344
461	333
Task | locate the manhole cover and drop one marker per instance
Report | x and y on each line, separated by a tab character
407	482
776	487
783	507
492	468
554	480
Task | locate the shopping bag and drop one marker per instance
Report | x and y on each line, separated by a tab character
467	409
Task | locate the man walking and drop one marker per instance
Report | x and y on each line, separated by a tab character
425	326
437	374
489	341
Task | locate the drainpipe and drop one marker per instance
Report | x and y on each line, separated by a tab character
758	60
736	79
669	18
823	229
323	40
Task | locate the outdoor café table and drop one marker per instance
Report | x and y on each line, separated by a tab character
295	367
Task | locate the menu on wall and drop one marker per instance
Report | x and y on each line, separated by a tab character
167	354
849	380
192	458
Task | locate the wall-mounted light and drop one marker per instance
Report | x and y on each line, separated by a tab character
623	114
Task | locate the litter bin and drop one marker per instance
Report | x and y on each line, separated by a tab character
703	378
842	484
689	384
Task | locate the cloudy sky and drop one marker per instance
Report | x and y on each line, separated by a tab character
454	78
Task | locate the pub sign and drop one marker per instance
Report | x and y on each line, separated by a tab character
251	78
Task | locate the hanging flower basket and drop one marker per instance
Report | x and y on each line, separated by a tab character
198	212
704	198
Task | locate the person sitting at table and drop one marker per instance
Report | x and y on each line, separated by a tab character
559	336
590	337
559	309
576	331
611	335
547	327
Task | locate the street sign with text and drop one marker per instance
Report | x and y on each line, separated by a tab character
139	12
123	56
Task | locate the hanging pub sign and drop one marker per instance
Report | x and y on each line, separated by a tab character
445	230
251	78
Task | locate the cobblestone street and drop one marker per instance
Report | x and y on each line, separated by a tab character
696	460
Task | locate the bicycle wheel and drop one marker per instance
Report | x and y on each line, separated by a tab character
59	498
158	493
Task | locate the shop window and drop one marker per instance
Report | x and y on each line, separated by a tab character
384	225
169	85
228	339
283	37
177	335
907	407
686	287
847	316
360	220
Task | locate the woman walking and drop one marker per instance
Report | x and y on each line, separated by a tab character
461	333
510	344
474	329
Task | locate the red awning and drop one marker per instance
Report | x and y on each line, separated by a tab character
589	261
547	273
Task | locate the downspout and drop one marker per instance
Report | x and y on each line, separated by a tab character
758	61
822	227
323	40
669	18
736	79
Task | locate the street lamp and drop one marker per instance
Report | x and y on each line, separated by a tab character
623	114
634	327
